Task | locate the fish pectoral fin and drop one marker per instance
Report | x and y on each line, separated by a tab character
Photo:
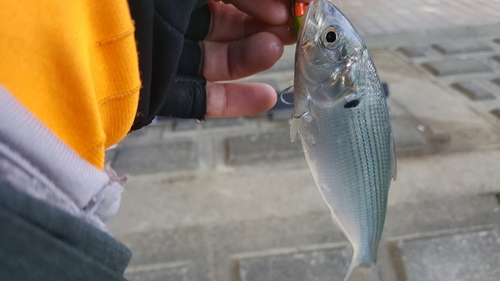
294	127
394	169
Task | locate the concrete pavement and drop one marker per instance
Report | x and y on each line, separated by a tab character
378	17
233	199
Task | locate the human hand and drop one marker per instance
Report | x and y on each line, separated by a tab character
245	37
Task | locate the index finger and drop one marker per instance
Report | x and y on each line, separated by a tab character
238	99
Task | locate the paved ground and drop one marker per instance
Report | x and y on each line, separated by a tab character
396	16
233	199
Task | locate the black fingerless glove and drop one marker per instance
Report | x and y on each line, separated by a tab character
170	58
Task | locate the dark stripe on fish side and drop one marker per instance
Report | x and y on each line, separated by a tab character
372	183
355	140
369	121
366	214
370	163
383	134
379	188
377	115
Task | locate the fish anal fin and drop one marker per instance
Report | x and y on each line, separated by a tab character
394	169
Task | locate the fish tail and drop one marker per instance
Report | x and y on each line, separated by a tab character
358	272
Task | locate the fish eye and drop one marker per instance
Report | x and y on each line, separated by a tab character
330	37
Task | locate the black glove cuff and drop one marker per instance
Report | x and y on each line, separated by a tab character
167	35
186	98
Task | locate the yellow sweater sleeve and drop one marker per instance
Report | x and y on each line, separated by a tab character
74	65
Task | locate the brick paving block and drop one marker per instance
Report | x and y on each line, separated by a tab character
462	47
473	91
157	158
175	273
189	124
418	51
457	257
457	66
319	265
496	112
242	150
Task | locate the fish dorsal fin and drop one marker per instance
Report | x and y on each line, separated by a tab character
394	170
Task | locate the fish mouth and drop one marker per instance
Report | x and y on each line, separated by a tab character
319	8
311	9
310	18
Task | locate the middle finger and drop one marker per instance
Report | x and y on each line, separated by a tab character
229	23
240	58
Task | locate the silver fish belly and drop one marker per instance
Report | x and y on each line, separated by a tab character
342	117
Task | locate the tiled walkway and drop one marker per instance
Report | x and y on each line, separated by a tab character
233	199
373	17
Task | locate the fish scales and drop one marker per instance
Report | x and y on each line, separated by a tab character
345	175
342	117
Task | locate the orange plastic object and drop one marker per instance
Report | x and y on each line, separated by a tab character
299	9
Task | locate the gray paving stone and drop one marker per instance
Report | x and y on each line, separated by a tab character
454	257
238	239
418	51
243	150
188	124
157	158
473	91
435	214
462	47
496	112
496	81
152	273
147	135
457	66
282	115
496	58
319	265
406	134
497	40
110	155
189	248
221	244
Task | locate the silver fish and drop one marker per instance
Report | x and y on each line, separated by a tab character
342	117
